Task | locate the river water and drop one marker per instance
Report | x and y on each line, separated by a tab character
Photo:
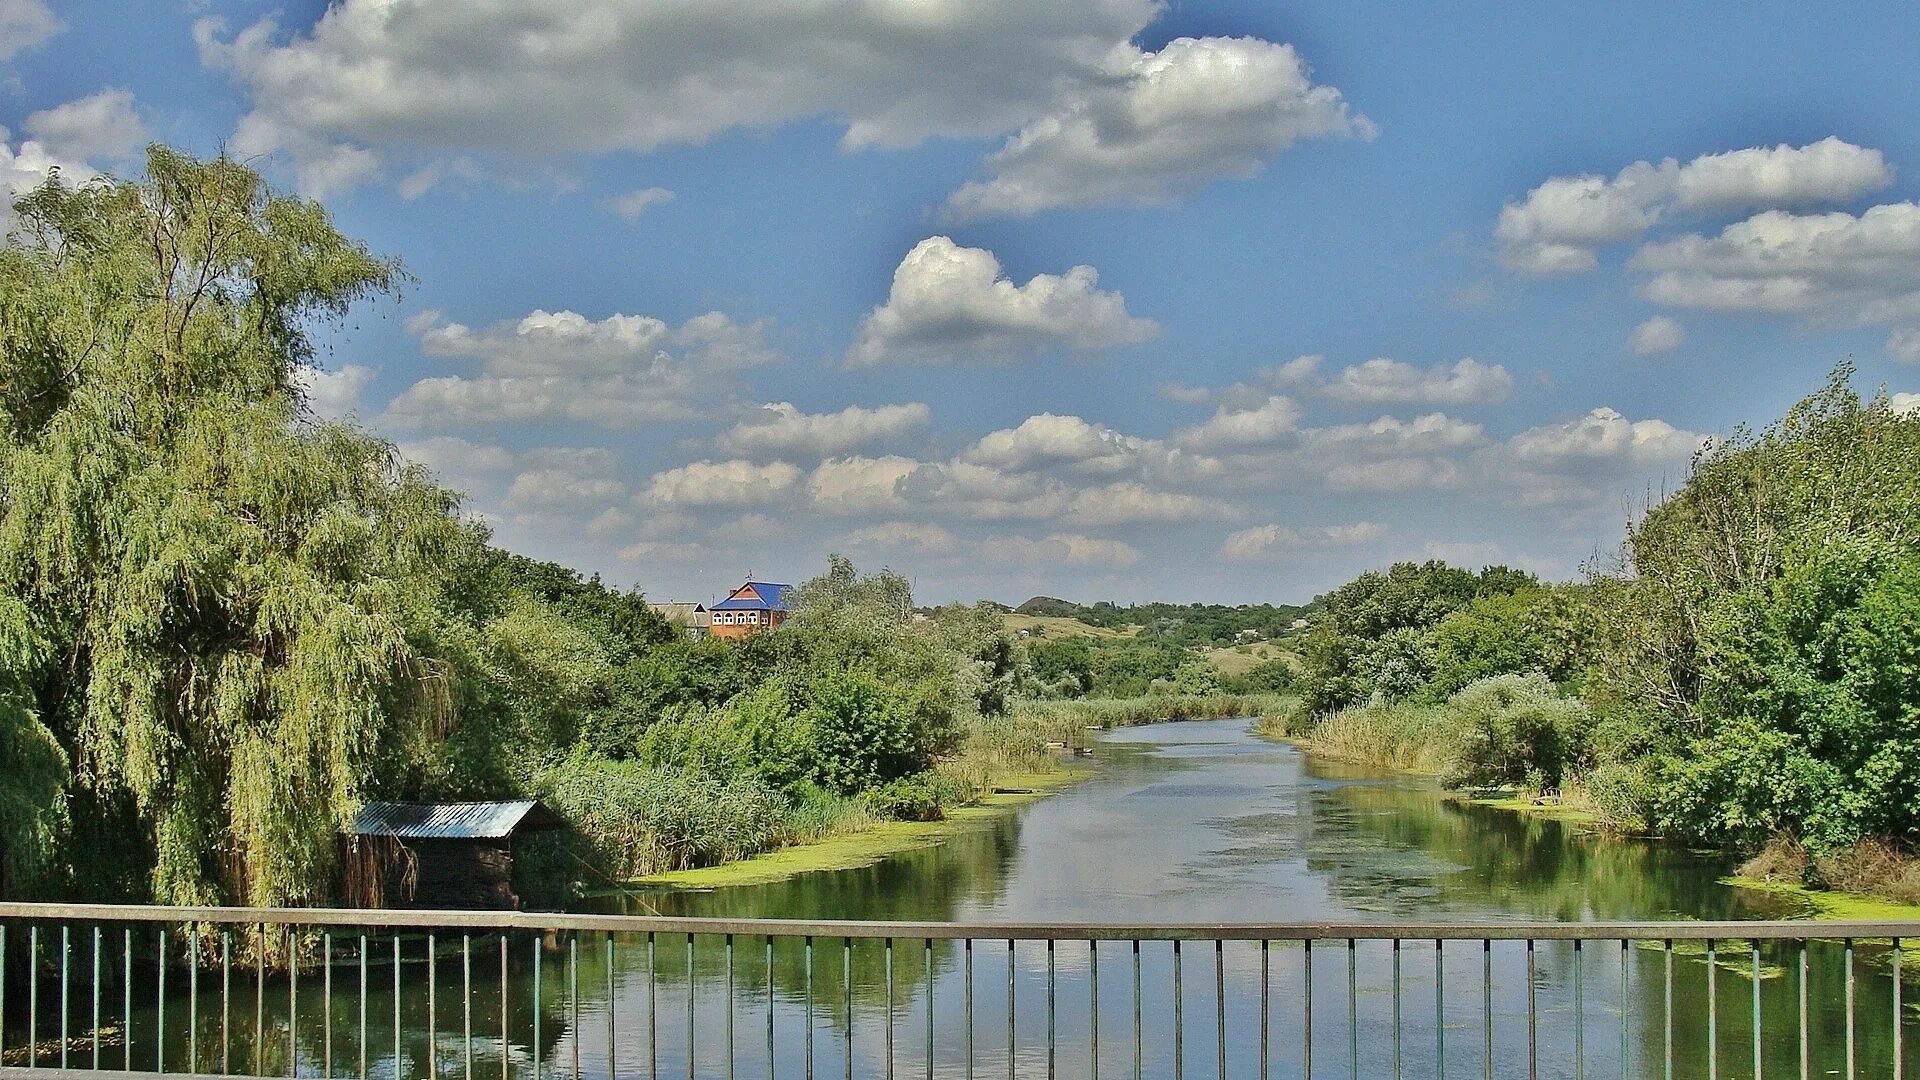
1192	823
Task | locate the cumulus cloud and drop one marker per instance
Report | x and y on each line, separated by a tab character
1058	549
721	483
1660	334
1158	125
781	428
1263	541
1905	404
25	24
952	304
613	372
1562	223
858	486
1048	439
1275	419
1833	269
376	80
918	537
1183	394
455	458
632	204
332	394
1605	434
104	125
1383	381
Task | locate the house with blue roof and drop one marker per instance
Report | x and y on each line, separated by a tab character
749	609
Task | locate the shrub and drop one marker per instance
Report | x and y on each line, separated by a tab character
1516	729
908	798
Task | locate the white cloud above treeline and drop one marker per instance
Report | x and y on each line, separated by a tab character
1160	125
781	428
950	304
103	125
561	365
376	86
1561	224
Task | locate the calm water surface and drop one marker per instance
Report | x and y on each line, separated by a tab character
1185	823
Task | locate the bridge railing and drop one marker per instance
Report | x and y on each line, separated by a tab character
404	994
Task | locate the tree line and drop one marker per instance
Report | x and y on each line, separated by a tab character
1745	669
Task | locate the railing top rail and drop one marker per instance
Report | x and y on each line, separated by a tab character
1058	931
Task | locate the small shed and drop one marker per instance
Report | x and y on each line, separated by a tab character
438	855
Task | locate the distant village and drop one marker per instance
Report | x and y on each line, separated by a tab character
747	610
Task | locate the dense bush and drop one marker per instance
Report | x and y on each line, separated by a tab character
1516	730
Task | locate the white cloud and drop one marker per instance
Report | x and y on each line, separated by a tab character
1383	381
952	304
1833	269
1827	171
722	483
781	428
25	24
1160	124
634	203
1049	439
1562	223
561	488
1657	335
101	126
332	394
860	486
916	537
1127	501
1273	420
535	79
443	452
1058	549
1605	434
1265	540
1905	404
26	168
614	372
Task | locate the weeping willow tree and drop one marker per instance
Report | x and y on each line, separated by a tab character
217	610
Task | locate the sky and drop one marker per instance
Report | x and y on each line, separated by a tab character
1101	299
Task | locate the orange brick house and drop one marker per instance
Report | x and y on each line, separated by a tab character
749	609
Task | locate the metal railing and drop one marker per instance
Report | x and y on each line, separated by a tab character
404	994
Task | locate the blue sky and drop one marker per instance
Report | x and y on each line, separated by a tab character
1098	298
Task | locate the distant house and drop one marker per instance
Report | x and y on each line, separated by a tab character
693	618
749	609
457	856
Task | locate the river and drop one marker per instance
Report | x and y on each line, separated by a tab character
1197	822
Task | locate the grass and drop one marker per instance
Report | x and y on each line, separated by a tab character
1240	659
1402	738
1054	627
1067	720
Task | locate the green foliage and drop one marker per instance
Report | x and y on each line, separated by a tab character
909	798
232	602
1267	677
1184	624
1378	634
1063	668
1516	730
638	819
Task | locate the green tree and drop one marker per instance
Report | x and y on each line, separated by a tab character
232	603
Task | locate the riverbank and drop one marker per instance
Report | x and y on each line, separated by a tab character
1390	740
872	844
1013	761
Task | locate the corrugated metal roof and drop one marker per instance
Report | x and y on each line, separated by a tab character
772	598
452	821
